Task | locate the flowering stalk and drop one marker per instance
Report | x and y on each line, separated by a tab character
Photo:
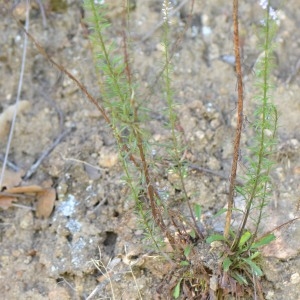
176	150
255	191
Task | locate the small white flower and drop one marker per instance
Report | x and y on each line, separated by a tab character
263	3
272	12
166	9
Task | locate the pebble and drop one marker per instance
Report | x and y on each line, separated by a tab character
19	11
108	160
295	278
27	221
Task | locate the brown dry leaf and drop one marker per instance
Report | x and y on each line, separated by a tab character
6	201
45	198
29	189
45	205
12	178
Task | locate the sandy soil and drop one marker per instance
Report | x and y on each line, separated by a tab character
93	220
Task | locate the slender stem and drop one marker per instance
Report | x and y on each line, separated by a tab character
262	152
239	118
152	193
263	200
83	90
12	127
98	31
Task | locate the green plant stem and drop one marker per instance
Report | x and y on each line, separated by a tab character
98	31
176	144
254	235
262	151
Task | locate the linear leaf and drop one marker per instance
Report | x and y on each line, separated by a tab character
215	237
226	264
176	292
187	250
245	237
198	211
264	241
254	267
240	279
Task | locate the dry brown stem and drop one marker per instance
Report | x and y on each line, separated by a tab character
236	145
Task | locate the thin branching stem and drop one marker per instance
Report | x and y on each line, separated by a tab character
144	166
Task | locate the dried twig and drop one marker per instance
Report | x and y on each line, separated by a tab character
18	96
10	164
42	9
239	126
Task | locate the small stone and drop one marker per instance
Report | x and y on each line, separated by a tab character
213	163
16	253
270	295
58	293
27	221
19	11
107	159
295	278
200	135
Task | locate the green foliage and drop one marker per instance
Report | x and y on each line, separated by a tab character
128	122
256	189
187	250
127	116
263	241
176	292
198	211
244	262
118	95
214	238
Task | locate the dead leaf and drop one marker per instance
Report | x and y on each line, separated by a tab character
45	204
45	198
27	189
12	178
7	201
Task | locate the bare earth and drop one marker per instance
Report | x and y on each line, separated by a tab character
93	219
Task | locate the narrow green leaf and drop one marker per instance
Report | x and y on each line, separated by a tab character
226	264
176	292
198	211
193	234
220	212
239	278
215	237
240	190
254	267
245	237
187	250
254	255
232	233
184	263
264	241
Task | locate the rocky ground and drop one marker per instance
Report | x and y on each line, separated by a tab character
93	226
